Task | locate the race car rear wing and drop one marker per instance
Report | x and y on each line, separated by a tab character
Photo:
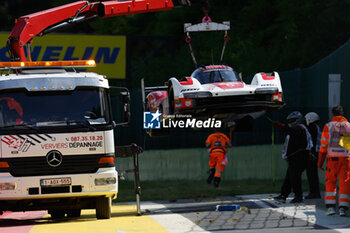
158	88
149	89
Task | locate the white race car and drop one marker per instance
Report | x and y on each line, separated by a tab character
217	91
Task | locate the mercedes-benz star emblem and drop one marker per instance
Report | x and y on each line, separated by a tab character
54	158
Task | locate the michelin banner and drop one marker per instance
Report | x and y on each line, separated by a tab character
109	52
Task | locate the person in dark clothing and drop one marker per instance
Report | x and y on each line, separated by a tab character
312	120
297	144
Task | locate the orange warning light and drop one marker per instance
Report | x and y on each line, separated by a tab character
41	64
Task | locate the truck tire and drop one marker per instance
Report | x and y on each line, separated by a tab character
103	208
55	214
74	213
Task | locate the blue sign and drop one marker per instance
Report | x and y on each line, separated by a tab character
151	120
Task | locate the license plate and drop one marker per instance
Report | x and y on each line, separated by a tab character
56	181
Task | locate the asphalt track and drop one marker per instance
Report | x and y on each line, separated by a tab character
259	213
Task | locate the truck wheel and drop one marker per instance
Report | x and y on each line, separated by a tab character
55	214
103	208
74	213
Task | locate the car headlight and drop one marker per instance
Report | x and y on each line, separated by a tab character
105	181
200	94
266	90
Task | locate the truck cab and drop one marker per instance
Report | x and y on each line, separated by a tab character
56	128
56	143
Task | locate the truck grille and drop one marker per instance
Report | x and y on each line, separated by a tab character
72	164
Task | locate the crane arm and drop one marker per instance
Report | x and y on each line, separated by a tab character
37	24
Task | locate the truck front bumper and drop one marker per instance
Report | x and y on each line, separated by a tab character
81	185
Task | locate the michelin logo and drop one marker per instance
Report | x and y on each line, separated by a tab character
151	120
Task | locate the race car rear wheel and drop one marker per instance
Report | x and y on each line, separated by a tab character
171	99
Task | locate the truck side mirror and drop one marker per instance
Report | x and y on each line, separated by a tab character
124	98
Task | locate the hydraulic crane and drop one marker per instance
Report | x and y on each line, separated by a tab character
43	22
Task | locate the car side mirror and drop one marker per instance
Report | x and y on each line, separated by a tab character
123	104
124	98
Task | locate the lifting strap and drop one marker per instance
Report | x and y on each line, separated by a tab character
226	39
188	41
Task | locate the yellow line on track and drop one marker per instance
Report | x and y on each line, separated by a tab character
123	220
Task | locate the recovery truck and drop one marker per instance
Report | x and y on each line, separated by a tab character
57	148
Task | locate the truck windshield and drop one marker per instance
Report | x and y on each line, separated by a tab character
83	106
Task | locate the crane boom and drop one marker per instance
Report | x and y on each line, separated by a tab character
37	24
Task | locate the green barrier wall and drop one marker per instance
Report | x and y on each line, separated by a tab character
245	162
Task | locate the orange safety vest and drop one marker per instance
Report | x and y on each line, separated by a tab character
217	142
331	135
